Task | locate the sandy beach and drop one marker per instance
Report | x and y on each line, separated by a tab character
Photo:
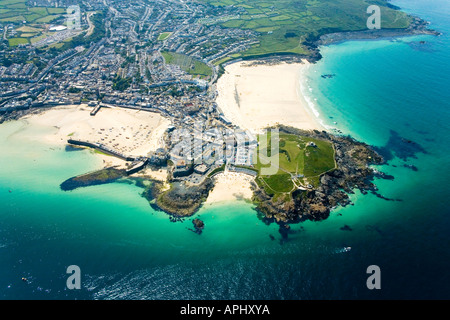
229	186
131	132
255	97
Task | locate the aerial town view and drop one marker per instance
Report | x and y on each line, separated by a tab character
217	147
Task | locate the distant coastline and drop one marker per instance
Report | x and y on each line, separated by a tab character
417	27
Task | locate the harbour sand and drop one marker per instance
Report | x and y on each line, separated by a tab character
131	132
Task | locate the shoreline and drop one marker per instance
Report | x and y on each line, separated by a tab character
418	27
120	126
107	127
253	94
228	187
185	201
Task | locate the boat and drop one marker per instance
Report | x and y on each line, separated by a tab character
342	250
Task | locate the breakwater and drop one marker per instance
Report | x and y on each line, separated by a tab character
96	109
101	148
137	166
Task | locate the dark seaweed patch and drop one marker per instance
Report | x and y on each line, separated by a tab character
399	147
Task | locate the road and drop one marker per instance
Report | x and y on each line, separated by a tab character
91	25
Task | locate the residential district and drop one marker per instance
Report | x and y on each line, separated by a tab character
159	58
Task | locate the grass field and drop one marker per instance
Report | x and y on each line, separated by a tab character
163	36
39	37
286	25
17	11
16	41
300	164
29	29
56	10
187	64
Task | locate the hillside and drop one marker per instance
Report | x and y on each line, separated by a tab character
291	26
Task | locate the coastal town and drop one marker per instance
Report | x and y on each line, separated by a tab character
158	59
158	56
188	86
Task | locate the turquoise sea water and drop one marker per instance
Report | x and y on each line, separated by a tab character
383	93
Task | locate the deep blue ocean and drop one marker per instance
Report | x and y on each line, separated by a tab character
392	94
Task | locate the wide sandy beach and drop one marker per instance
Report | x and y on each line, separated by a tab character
131	132
257	96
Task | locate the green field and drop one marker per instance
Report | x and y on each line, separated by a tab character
287	26
56	10
17	11
39	37
16	41
163	36
29	29
187	64
300	164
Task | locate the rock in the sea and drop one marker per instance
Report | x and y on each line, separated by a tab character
199	225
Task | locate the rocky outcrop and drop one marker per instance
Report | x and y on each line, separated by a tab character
199	225
417	26
180	200
353	172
